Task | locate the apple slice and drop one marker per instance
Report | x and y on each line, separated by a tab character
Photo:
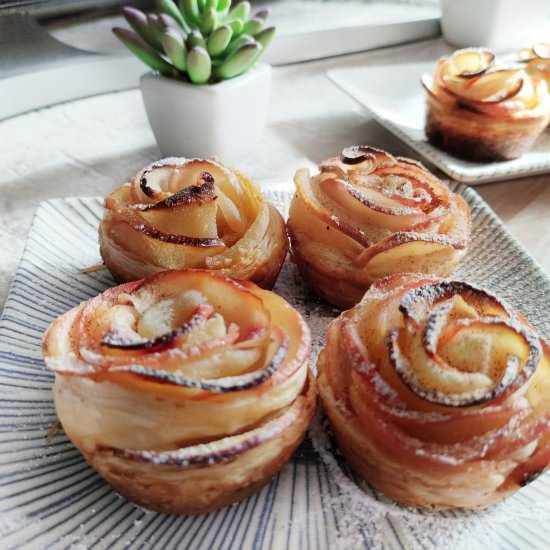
492	87
432	379
542	50
369	208
526	54
197	227
278	352
305	192
515	351
484	359
160	179
225	179
470	62
357	154
191	211
428	83
417	303
408	253
114	339
526	472
188	195
220	451
158	235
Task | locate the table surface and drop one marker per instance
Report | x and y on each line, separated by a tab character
87	147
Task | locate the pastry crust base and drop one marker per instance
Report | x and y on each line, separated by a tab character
199	489
406	485
478	137
332	286
344	288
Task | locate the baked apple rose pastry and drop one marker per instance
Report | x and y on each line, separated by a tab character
368	214
191	213
438	393
186	391
481	111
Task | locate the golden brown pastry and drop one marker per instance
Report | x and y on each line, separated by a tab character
191	213
186	391
481	111
537	59
368	214
438	393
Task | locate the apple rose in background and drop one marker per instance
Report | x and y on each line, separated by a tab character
481	111
186	391
181	213
438	393
368	214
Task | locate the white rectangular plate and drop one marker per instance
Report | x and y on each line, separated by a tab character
50	497
395	98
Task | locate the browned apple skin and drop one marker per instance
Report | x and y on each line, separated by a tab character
478	137
395	485
200	489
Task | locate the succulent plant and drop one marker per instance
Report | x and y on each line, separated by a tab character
203	41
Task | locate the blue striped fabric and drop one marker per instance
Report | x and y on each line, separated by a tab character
50	497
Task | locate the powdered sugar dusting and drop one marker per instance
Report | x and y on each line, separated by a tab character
368	512
319	496
364	514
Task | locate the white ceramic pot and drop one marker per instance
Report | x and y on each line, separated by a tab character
224	119
502	25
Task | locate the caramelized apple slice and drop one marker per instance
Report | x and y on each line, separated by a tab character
160	180
225	179
190	212
485	360
222	451
370	210
304	189
362	159
114	339
230	298
433	380
405	252
492	87
188	195
417	303
470	62
200	242
356	154
277	352
197	227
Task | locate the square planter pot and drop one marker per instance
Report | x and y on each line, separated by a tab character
225	119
